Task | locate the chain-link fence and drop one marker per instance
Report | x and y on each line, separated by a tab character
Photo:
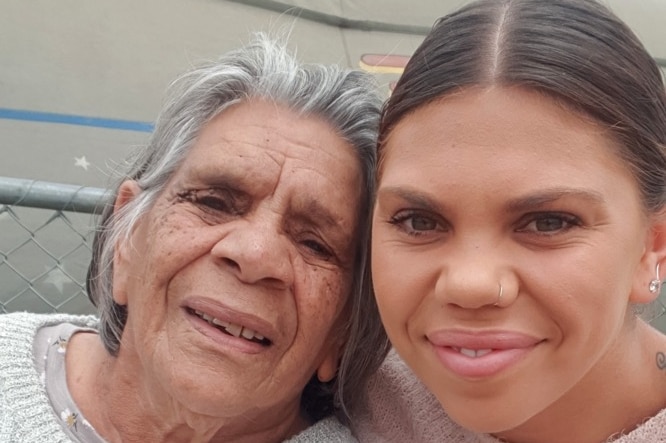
45	245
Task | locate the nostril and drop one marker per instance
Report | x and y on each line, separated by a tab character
231	263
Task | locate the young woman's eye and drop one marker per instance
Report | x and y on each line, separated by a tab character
550	223
414	223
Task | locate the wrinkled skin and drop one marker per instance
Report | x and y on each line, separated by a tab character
257	229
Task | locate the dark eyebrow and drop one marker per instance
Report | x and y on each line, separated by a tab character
541	198
310	210
316	214
547	196
415	198
313	213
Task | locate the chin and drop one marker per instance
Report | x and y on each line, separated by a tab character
485	420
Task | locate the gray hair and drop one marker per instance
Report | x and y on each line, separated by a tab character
262	70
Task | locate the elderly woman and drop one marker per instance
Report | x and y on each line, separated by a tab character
522	196
228	273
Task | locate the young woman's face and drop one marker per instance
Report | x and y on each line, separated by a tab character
508	241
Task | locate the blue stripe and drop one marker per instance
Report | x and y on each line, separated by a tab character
79	120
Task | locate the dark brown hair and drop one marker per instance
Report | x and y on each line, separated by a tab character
576	51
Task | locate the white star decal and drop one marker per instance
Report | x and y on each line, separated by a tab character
81	162
57	278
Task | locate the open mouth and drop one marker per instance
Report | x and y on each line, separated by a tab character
473	353
232	329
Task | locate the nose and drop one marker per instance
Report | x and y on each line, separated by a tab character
257	252
473	279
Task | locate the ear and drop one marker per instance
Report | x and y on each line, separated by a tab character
329	364
337	340
654	254
127	191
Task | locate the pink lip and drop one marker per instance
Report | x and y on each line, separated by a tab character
506	349
225	313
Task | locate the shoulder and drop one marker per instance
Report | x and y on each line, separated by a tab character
25	411
399	408
653	429
25	321
328	430
17	336
17	330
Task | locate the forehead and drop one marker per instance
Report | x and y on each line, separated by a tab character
498	127
262	126
267	149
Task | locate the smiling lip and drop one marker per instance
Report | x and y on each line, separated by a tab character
245	332
477	355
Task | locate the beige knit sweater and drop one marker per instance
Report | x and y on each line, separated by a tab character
26	415
400	410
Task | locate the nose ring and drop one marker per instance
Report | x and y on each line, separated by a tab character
499	296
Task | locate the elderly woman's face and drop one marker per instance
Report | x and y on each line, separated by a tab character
236	278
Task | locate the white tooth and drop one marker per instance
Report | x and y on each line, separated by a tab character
206	317
258	336
468	352
248	333
199	313
482	352
234	330
224	324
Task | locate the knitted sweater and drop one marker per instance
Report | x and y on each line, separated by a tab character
400	409
26	415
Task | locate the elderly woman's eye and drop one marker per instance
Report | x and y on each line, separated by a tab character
318	248
216	200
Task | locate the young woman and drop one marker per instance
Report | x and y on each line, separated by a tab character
519	223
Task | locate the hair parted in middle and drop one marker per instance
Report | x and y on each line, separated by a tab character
574	51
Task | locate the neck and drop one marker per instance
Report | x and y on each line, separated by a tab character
136	409
625	388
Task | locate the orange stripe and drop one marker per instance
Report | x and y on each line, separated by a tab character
383	63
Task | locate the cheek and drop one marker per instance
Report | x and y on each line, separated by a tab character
327	294
129	261
157	252
390	288
584	294
400	280
173	247
337	288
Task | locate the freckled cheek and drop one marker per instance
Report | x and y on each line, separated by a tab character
168	248
330	295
